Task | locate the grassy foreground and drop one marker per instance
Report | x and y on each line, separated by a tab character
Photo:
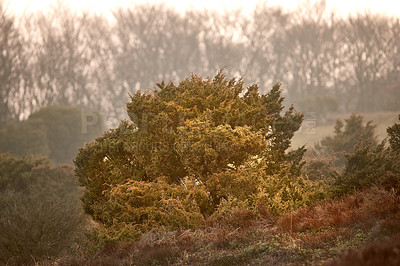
327	233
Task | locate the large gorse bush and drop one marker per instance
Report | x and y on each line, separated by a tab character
189	150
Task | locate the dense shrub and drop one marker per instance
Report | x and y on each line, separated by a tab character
283	193
14	170
39	209
369	164
346	137
352	159
363	168
188	148
144	204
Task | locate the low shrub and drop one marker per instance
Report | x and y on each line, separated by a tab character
285	192
366	167
346	138
33	229
13	171
391	182
40	213
154	247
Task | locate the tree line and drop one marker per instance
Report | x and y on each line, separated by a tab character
325	62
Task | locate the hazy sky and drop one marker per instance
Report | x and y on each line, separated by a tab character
391	7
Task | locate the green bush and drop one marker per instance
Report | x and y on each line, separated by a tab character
368	165
39	209
285	192
188	147
363	168
14	171
346	137
365	163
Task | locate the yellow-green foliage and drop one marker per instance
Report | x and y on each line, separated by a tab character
284	192
240	184
153	204
206	149
188	149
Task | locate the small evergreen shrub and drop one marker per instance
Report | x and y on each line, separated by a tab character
188	151
370	164
363	168
346	138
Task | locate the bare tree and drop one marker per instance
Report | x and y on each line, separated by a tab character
153	43
11	66
266	45
374	53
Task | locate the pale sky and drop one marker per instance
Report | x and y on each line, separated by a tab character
344	7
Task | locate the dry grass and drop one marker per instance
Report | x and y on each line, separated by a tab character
362	208
322	239
344	223
314	234
155	247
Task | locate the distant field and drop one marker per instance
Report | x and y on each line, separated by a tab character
312	131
